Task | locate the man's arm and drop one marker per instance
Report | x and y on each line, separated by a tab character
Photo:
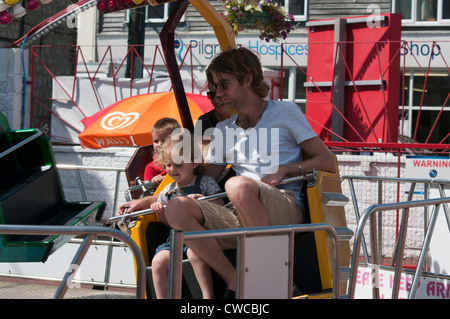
319	158
214	170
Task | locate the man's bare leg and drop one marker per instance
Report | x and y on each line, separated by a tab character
183	213
243	192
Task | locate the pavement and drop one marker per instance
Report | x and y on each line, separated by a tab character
14	288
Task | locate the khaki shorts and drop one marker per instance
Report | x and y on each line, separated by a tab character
279	204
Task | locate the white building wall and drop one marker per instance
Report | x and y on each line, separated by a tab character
99	185
11	82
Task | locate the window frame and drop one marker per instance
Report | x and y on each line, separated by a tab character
166	15
411	105
302	17
414	22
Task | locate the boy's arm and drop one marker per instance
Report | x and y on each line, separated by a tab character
137	204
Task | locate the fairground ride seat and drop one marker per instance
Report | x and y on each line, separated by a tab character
326	205
31	194
313	252
136	168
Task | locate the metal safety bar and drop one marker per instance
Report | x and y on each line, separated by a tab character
368	213
439	183
143	185
309	176
25	141
140	185
89	233
178	238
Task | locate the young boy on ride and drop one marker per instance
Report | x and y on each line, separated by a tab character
161	131
189	182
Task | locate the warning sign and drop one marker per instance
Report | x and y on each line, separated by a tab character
426	167
438	169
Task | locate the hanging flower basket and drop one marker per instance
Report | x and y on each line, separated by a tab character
255	19
269	18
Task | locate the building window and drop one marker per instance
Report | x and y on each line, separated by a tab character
423	12
159	13
426	95
295	7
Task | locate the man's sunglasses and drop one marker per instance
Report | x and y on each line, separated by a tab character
211	95
222	83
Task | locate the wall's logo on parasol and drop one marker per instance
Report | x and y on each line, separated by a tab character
118	120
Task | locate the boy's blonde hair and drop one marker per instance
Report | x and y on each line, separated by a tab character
165	125
165	152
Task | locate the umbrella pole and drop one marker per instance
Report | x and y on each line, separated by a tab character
167	37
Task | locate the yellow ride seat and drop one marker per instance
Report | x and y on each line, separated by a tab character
321	210
137	232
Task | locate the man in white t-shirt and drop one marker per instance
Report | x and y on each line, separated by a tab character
255	152
263	142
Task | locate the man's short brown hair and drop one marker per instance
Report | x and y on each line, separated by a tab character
239	62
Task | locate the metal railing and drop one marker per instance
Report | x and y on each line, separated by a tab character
369	213
89	234
111	243
427	184
78	168
178	238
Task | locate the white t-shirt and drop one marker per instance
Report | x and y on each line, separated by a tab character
259	151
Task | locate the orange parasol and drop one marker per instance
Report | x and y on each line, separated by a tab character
128	122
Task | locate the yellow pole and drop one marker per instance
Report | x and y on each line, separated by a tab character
224	32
